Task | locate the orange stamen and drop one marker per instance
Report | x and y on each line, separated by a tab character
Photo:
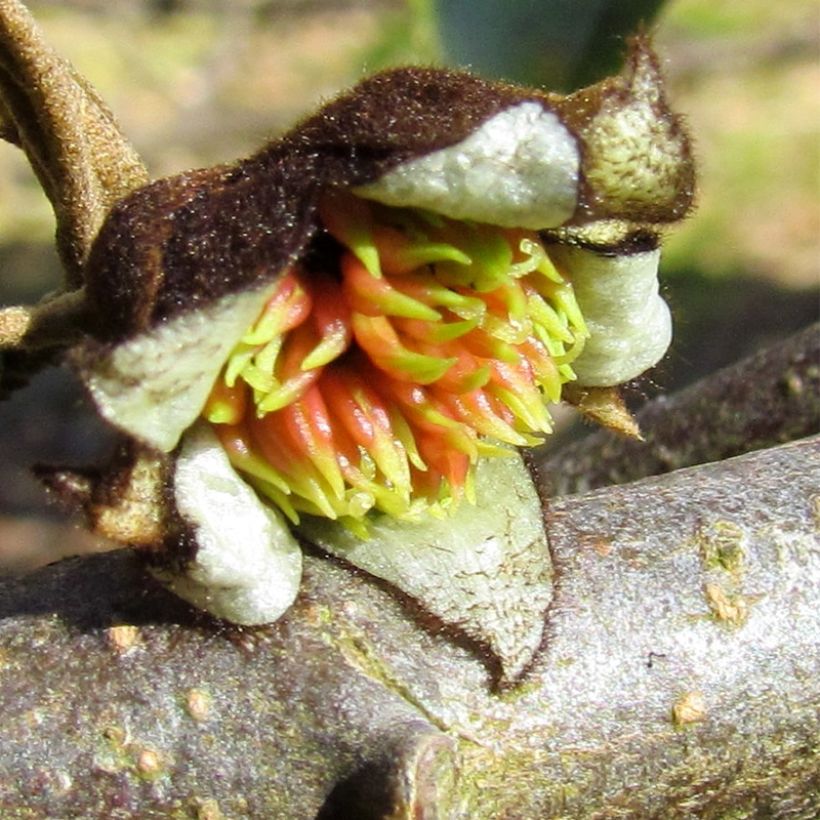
376	382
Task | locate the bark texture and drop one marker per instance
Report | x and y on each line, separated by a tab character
764	400
679	677
70	137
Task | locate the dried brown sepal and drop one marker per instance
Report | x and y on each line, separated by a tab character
623	179
604	406
127	503
184	242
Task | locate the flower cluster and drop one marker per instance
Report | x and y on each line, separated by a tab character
377	382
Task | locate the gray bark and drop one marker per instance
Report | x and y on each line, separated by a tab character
679	677
766	399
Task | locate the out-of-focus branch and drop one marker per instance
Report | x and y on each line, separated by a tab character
84	165
679	677
71	139
764	400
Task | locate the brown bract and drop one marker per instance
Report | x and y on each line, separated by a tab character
180	243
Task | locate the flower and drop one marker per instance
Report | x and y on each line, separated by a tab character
352	323
378	373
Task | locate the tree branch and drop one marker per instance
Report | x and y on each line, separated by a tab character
70	137
764	400
679	677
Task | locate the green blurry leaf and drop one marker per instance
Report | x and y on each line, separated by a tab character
559	44
408	35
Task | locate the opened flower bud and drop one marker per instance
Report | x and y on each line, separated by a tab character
385	365
354	324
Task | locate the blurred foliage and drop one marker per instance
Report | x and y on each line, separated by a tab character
198	81
747	76
409	34
195	82
559	44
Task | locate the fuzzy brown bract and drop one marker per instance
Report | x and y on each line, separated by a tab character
182	242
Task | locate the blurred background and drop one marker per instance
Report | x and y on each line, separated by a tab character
197	82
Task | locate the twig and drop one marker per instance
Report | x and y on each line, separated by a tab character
117	703
766	399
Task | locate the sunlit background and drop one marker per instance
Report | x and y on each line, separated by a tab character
197	82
